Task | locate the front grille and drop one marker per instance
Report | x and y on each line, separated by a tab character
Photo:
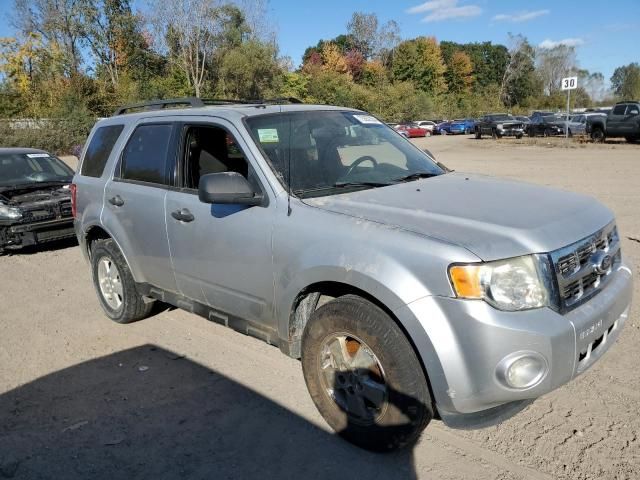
65	209
578	277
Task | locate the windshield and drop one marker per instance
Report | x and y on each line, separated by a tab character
499	118
330	152
27	168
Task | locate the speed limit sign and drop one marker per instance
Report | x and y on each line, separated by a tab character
569	83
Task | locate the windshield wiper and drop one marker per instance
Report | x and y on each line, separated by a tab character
361	184
415	176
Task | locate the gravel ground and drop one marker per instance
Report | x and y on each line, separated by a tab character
175	396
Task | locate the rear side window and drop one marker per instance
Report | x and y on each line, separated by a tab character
99	149
145	156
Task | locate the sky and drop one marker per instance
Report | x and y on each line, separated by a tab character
604	37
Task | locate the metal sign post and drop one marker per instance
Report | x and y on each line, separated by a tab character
568	84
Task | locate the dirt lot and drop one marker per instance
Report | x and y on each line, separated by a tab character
175	396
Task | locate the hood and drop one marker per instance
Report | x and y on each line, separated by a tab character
490	217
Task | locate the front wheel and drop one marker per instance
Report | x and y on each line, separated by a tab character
597	135
364	376
478	134
114	284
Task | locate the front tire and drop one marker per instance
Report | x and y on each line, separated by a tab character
364	376
114	284
597	135
478	134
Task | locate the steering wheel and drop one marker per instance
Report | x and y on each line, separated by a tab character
364	158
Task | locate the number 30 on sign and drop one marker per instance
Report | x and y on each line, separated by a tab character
569	83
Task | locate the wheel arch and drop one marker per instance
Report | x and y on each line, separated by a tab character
98	232
314	295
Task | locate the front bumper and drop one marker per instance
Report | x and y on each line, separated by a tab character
511	132
22	235
466	340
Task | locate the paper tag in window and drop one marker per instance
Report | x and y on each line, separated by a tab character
38	155
268	135
367	119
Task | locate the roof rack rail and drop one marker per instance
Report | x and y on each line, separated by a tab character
195	102
160	104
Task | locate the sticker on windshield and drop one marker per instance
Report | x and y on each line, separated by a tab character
38	155
268	135
367	120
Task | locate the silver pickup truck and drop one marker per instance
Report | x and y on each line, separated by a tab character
409	292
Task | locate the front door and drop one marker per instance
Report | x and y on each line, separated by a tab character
221	254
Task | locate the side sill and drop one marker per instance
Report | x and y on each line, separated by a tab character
238	324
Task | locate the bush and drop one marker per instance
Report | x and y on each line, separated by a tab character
58	136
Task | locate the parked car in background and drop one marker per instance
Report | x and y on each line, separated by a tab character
577	125
469	125
411	130
525	120
35	198
499	125
538	114
442	128
622	121
546	126
457	127
428	124
393	125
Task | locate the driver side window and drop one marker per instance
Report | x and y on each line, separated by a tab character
211	149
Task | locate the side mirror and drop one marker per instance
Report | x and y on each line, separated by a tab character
227	188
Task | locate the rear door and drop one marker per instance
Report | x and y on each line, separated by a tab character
221	253
135	202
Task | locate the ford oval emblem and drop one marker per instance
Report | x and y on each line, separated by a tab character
601	262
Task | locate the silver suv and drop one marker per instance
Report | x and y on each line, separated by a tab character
408	291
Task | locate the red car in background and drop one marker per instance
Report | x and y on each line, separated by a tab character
411	130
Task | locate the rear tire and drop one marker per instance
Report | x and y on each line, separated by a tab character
478	134
364	376
114	284
631	139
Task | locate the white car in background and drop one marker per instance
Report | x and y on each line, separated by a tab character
426	124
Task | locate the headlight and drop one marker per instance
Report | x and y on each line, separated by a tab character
512	285
499	126
11	213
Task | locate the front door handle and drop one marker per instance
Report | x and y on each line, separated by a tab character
116	201
183	215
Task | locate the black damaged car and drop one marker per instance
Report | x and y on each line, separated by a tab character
35	198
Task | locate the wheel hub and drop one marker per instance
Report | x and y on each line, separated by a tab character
353	378
110	283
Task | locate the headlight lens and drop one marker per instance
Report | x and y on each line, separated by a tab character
11	213
499	126
513	284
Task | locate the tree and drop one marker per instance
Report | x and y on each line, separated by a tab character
420	61
553	64
192	32
112	32
58	22
625	81
333	60
593	84
519	80
489	61
459	73
248	71
372	39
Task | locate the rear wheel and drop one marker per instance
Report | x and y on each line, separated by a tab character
478	134
495	134
115	285
364	376
631	139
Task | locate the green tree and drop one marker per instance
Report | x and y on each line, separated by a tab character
420	62
625	81
520	81
248	71
459	73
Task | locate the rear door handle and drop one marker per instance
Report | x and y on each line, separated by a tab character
117	201
183	215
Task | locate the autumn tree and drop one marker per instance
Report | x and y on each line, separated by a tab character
459	73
